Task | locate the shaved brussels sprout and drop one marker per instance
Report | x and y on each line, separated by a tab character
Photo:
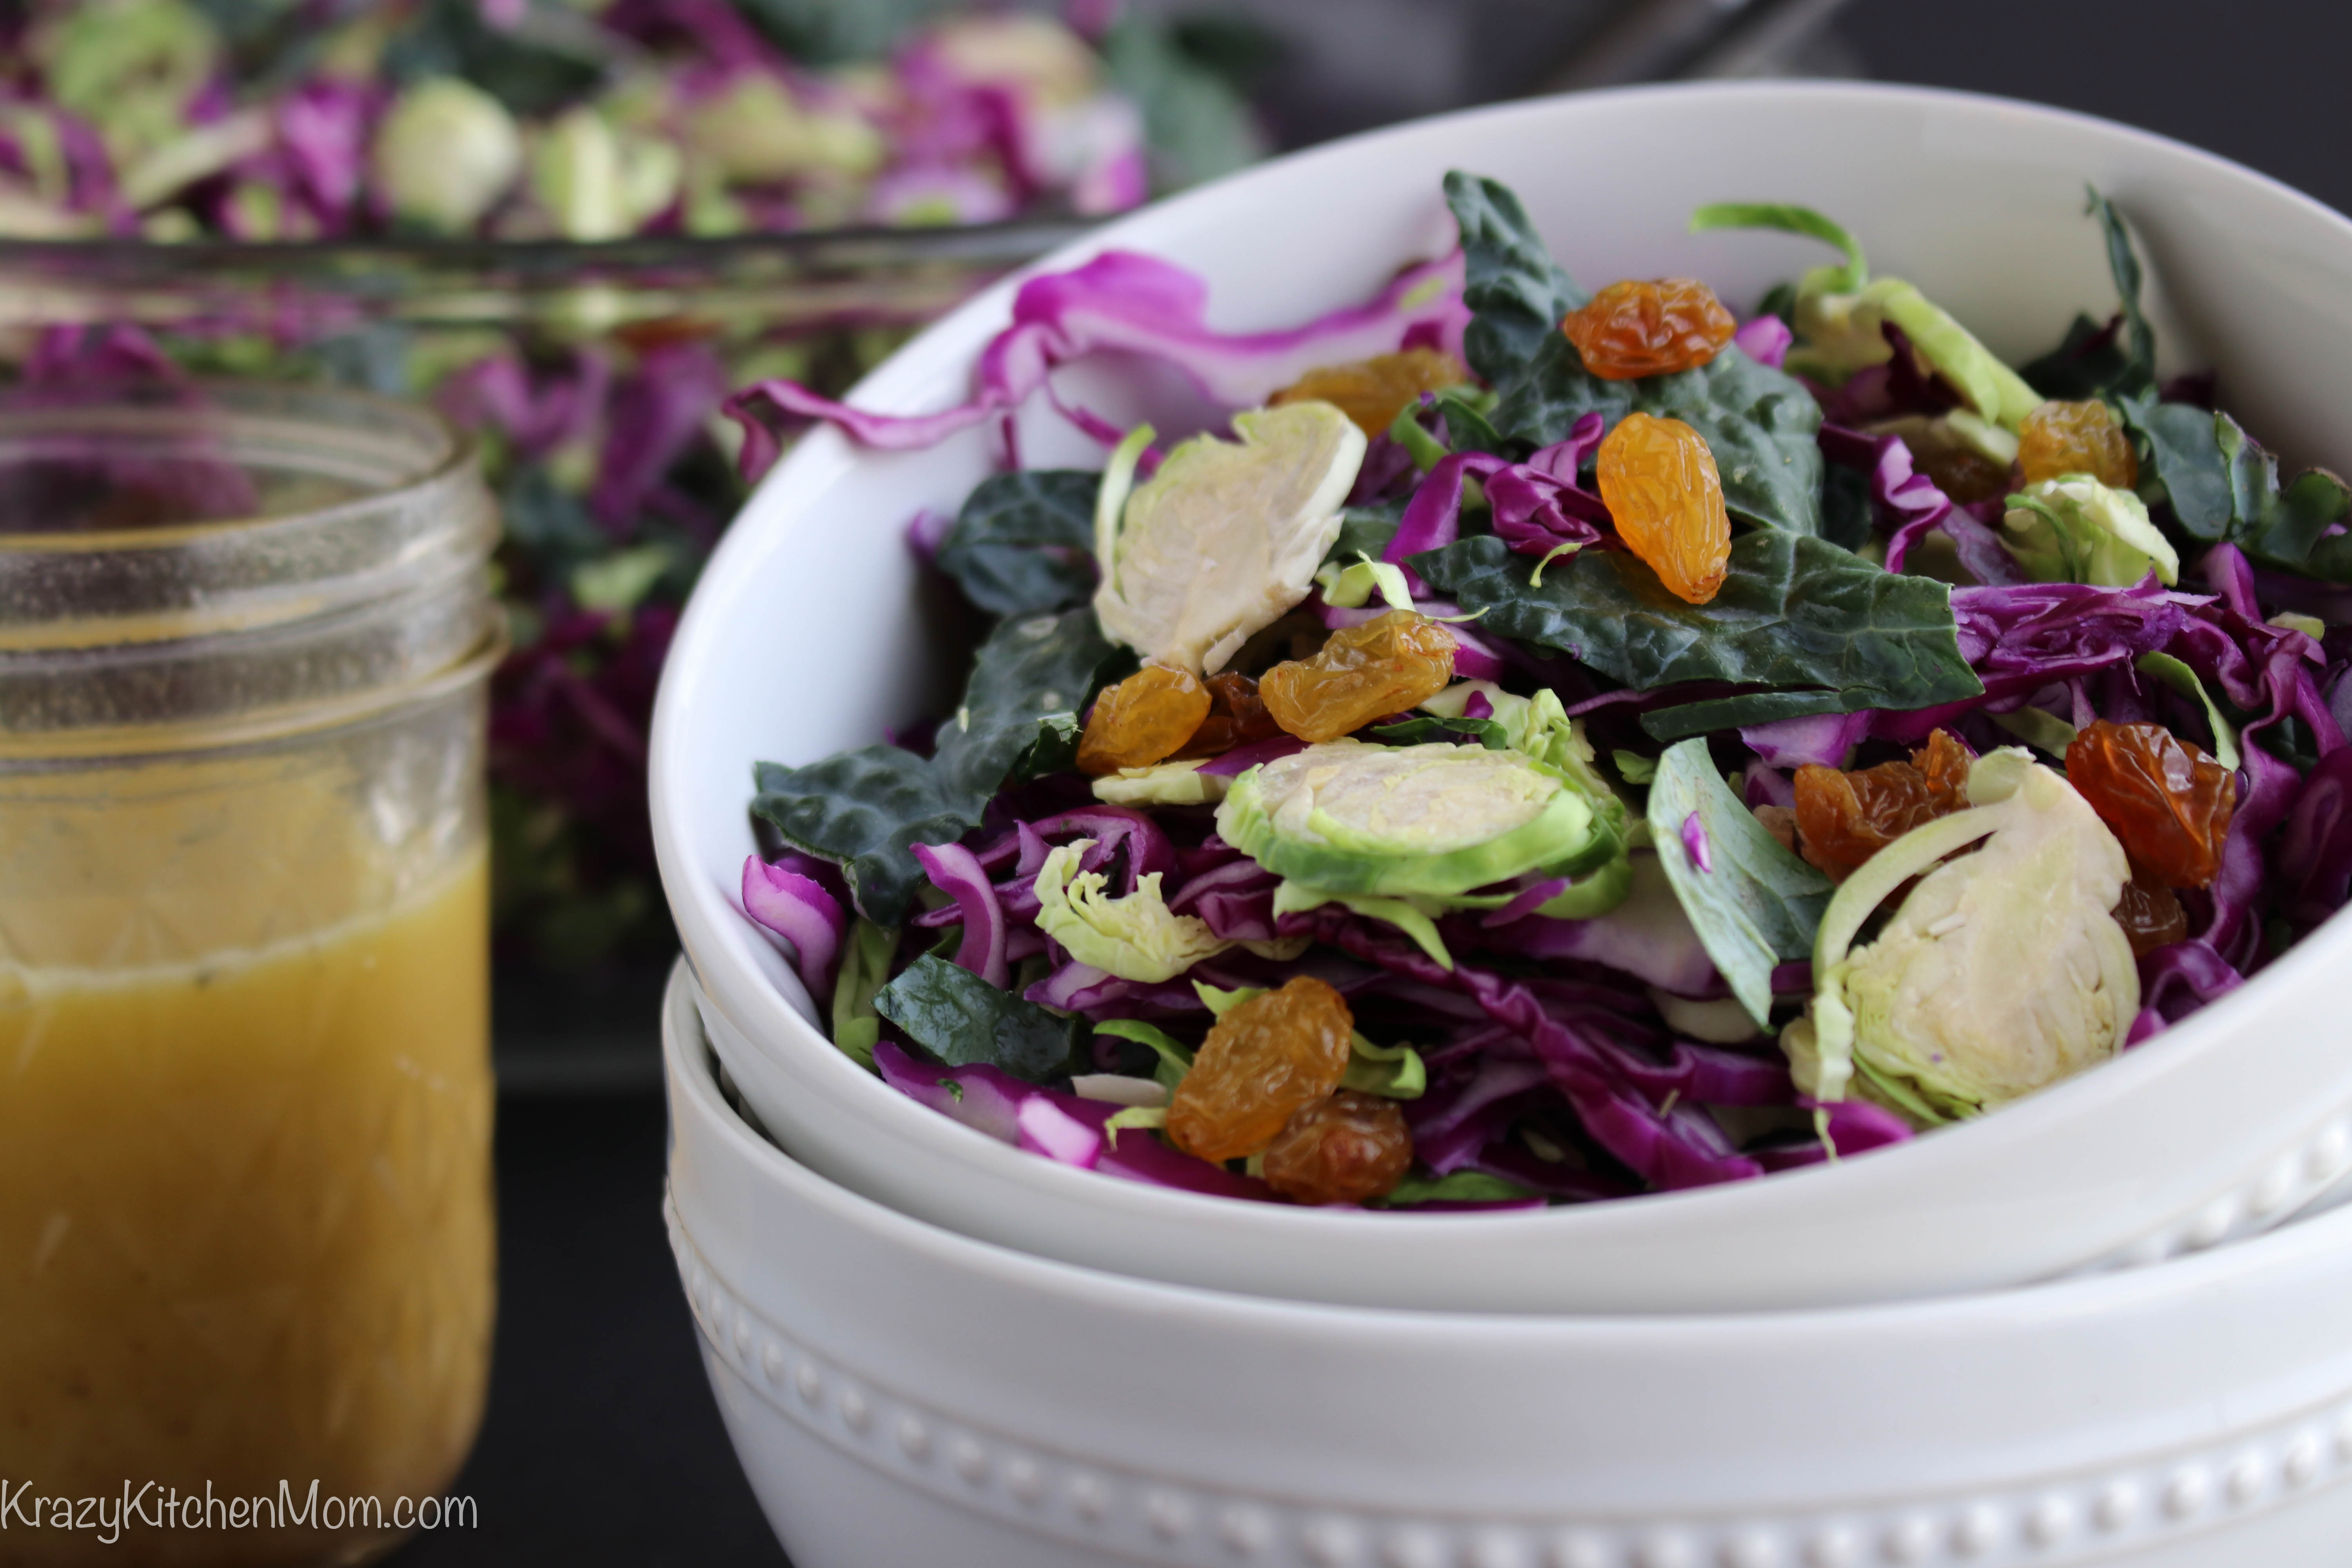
1403	834
1432	821
2072	529
1226	536
1539	727
2002	972
1135	938
446	152
1164	784
130	69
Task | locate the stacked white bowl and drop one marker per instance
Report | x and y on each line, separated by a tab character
935	1349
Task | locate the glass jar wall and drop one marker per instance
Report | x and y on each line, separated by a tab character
245	1231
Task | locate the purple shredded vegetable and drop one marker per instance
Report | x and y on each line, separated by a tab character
1761	784
1677	1147
1900	386
1822	740
1765	340
1527	900
799	909
1044	1127
1695	843
1241	759
656	412
926	531
956	871
1130	303
1910	506
1651	940
2176	981
2315	847
1555	1054
993	1102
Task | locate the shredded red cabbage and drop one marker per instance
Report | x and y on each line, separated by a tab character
1137	304
1559	1059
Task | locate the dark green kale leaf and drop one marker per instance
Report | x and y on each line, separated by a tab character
1763	427
2184	448
1467	428
551	59
2113	360
1024	541
1762	424
1794	611
1029	682
1365	531
1196	126
834	32
1845	508
1426	728
1516	291
864	809
2222	485
961	1020
2125	264
2275	522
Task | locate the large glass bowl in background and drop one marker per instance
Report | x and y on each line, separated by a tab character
591	374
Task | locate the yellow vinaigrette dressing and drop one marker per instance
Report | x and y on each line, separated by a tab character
245	1233
247	1198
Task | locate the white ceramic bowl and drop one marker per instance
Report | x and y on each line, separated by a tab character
808	634
905	1397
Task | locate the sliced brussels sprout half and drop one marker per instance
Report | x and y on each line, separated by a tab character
1225	537
1539	727
2002	972
2072	529
1404	834
1430	821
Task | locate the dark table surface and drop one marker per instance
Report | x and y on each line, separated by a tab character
603	1448
603	1445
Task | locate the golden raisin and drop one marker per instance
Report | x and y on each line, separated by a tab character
2150	913
1262	1063
2075	438
1945	762
1236	717
1363	673
1143	719
1844	818
1636	329
1659	482
1342	1149
1372	391
2167	802
1963	475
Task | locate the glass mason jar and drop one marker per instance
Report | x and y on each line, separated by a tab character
246	1230
589	375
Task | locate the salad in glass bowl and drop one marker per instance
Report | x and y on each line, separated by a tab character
571	228
1560	745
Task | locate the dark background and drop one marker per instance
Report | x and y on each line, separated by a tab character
603	1445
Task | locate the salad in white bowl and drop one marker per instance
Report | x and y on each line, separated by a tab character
1556	745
